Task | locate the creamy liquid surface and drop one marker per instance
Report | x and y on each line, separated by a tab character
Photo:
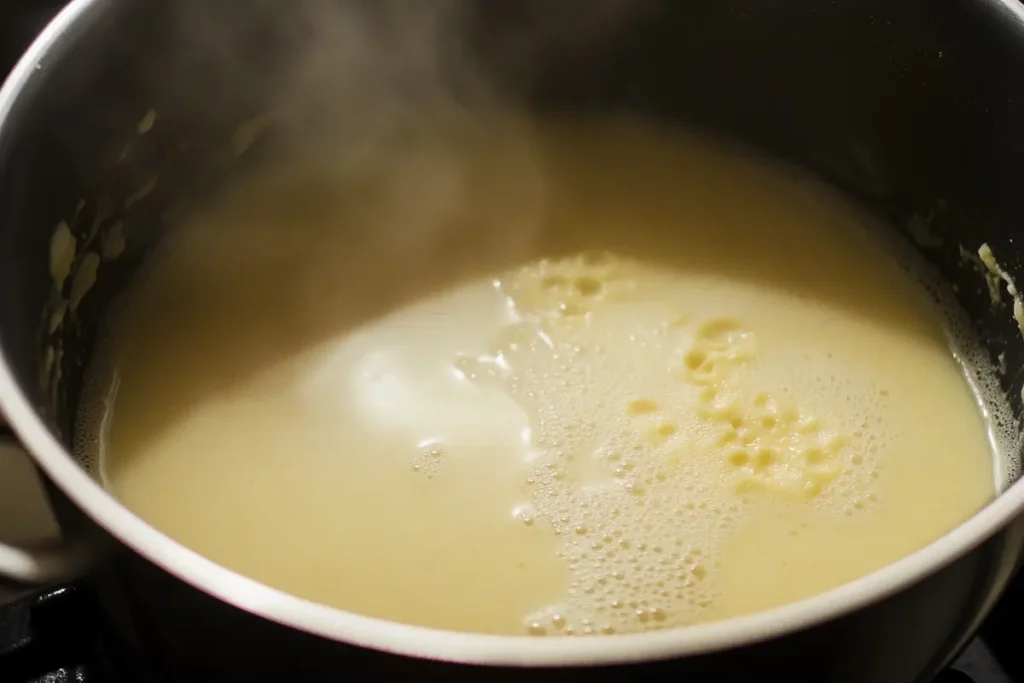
664	385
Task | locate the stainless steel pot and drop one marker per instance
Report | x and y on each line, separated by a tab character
115	114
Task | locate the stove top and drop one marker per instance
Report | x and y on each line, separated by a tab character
60	635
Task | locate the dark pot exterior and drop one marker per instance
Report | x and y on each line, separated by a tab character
912	107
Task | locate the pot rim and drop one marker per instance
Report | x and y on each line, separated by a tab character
335	624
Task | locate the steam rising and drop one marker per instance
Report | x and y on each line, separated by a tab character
405	158
402	123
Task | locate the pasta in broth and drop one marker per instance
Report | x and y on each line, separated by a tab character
703	388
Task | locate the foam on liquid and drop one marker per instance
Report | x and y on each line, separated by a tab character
708	390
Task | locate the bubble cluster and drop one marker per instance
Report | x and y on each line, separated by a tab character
650	443
637	508
985	377
428	459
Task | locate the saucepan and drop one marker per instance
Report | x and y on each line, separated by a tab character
122	113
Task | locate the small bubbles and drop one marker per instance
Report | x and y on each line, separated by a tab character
635	488
654	424
536	629
524	513
807	425
429	460
708	394
568	309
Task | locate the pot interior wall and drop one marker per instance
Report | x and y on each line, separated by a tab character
911	108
